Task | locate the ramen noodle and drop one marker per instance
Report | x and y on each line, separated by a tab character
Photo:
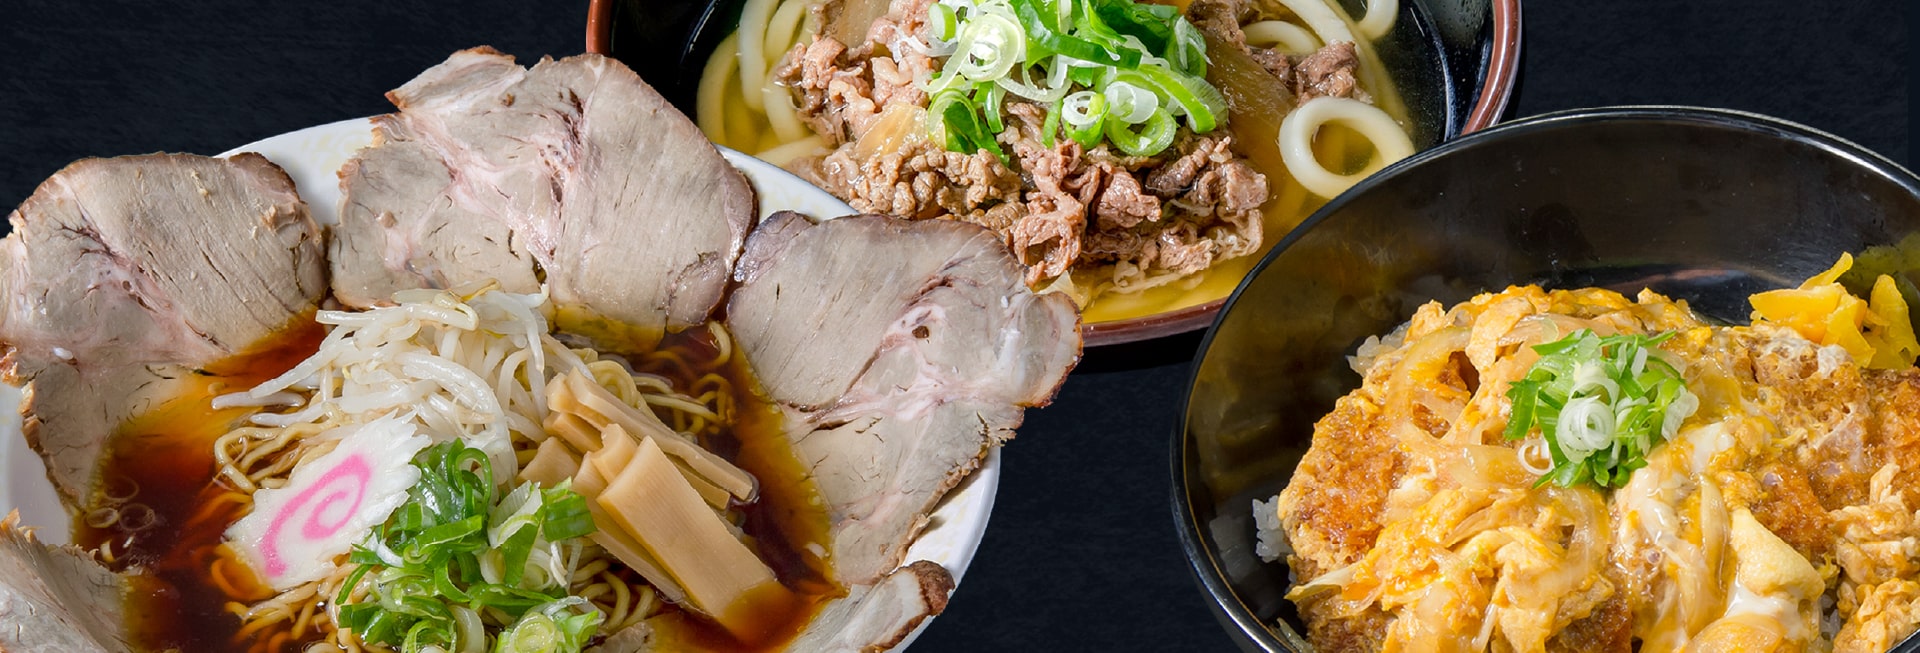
318	533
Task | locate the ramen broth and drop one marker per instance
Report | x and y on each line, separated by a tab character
185	599
163	460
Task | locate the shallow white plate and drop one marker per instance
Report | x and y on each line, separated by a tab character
313	156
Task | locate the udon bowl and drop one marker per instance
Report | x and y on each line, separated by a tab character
1703	205
1455	63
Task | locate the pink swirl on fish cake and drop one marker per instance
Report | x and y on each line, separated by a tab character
318	523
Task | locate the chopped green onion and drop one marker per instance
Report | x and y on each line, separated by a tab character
988	98
550	628
1085	113
1062	13
1082	49
1138	58
458	550
1051	125
1200	101
1131	104
1154	138
1056	78
1188	51
955	124
1094	29
1147	22
564	515
1601	404
989	46
1085	74
942	19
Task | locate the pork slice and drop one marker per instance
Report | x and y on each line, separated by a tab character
869	619
375	254
56	598
901	351
124	275
574	173
876	618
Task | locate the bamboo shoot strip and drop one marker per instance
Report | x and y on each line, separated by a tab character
655	503
591	485
579	395
552	463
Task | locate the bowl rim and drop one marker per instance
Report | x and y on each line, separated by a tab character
1503	70
1245	628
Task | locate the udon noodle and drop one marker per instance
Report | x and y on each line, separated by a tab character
470	364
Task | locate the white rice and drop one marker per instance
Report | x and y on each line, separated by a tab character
1270	543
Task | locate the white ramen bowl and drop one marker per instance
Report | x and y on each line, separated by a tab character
312	157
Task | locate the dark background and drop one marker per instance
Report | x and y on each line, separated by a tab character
1080	554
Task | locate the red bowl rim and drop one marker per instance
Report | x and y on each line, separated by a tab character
1503	67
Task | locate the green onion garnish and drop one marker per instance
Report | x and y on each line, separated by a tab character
1155	135
1601	404
550	628
956	124
1138	67
457	548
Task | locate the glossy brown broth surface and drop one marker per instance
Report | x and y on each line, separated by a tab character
163	460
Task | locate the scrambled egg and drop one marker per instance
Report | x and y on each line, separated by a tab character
1775	519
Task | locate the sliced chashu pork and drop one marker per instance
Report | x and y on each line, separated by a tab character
900	352
124	275
56	598
869	619
574	172
878	617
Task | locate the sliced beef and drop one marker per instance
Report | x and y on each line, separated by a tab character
901	351
1222	19
1328	72
573	172
123	275
1124	204
833	96
861	60
920	180
1060	207
56	598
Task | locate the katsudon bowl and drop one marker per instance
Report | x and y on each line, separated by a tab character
1706	206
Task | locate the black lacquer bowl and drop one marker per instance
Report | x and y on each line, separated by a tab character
1703	205
1455	62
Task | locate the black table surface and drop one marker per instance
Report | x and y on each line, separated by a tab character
1080	553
